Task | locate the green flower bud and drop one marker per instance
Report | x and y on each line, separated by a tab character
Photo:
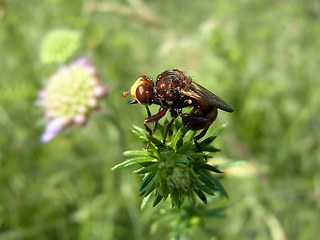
59	45
177	169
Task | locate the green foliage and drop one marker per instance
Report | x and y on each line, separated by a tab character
59	45
261	57
176	168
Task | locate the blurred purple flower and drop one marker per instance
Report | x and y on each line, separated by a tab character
53	127
70	95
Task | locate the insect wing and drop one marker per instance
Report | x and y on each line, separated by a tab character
196	91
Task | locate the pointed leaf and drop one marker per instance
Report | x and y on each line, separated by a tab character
199	163
206	189
181	160
232	164
176	138
139	130
201	195
136	153
155	141
148	189
197	155
217	131
189	136
157	199
140	133
207	179
210	149
162	128
176	200
147	164
216	212
185	147
144	201
142	171
211	168
147	179
179	143
133	161
207	141
147	169
220	187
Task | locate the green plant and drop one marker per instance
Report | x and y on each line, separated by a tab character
176	169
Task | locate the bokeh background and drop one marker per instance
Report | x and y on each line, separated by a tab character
262	57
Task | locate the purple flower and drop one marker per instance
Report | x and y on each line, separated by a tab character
83	61
53	127
70	96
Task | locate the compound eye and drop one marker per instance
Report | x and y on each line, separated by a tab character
144	93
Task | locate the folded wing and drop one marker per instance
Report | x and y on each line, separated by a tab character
196	91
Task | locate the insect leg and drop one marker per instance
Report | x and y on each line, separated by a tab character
154	118
156	122
200	135
195	122
196	138
168	127
148	111
149	115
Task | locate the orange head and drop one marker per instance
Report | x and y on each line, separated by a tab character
142	90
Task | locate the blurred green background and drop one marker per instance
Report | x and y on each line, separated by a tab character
262	57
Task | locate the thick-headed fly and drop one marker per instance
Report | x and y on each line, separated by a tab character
174	91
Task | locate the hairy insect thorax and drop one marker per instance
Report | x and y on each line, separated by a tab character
168	89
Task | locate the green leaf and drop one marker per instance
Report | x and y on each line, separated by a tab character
176	200
199	162
179	143
136	153
185	147
144	139
217	131
232	164
207	179
133	161
157	199
183	131
216	212
124	164
197	155
147	179
147	164
162	128
207	141
175	139
206	189
220	187
140	133
140	130
59	45
178	125
211	168
181	160
148	189
147	169
155	141
142	171
144	202
210	149
201	195
188	137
